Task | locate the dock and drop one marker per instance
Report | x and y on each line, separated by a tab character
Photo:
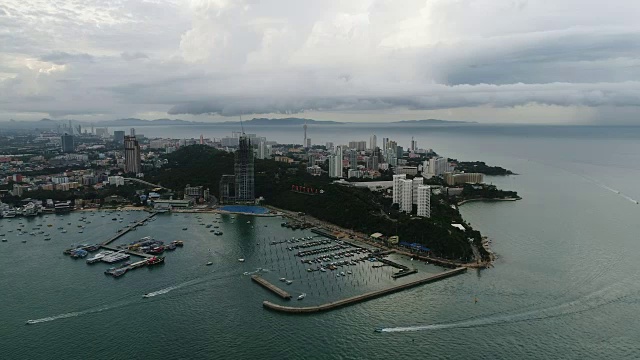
360	298
125	231
269	286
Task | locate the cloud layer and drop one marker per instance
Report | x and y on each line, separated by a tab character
99	59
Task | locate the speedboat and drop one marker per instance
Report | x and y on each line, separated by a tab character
283	279
289	282
302	296
378	330
241	260
209	263
31	322
146	296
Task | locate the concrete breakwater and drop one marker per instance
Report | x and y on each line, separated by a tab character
360	298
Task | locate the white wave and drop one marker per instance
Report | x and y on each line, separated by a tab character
589	302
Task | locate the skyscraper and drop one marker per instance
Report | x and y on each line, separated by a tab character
406	204
132	132
308	143
397	188
424	201
373	142
353	160
304	142
67	143
417	181
243	170
118	137
131	155
335	163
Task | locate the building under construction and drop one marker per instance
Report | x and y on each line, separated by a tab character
227	189
243	170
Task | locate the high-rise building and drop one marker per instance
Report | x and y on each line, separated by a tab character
399	152
397	188
227	189
66	140
406	195
244	171
335	163
329	146
437	166
424	201
263	150
304	142
118	137
417	181
414	144
373	142
353	160
358	145
131	155
308	143
385	142
132	132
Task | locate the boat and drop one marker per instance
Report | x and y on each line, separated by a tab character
4	240
97	257
302	296
210	263
47	239
184	228
289	282
323	269
378	330
283	279
31	322
155	260
241	260
24	241
146	295
349	272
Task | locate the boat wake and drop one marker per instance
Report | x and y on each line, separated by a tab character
247	273
587	303
72	314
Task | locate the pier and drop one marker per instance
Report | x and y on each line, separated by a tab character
359	298
267	285
129	228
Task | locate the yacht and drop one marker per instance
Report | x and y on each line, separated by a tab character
241	260
98	256
4	240
302	296
289	282
283	279
210	263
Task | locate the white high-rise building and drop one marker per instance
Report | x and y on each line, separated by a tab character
424	201
263	151
417	181
373	142
405	200
335	163
397	187
438	166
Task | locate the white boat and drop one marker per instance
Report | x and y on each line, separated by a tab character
289	282
97	257
342	273
146	296
209	263
31	322
241	260
349	272
323	269
283	279
302	296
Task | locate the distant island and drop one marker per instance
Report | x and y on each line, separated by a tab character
433	122
285	121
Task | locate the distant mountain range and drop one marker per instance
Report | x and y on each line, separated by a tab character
49	123
433	122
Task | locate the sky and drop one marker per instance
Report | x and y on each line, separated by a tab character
493	61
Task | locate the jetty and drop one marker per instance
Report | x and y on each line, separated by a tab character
269	286
127	229
360	298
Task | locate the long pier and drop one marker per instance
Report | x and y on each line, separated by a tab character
360	298
125	231
269	286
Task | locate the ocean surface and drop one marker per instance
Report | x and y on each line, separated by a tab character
565	284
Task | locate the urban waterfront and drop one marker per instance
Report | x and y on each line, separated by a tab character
564	285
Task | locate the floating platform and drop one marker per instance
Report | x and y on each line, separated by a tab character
360	298
276	290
